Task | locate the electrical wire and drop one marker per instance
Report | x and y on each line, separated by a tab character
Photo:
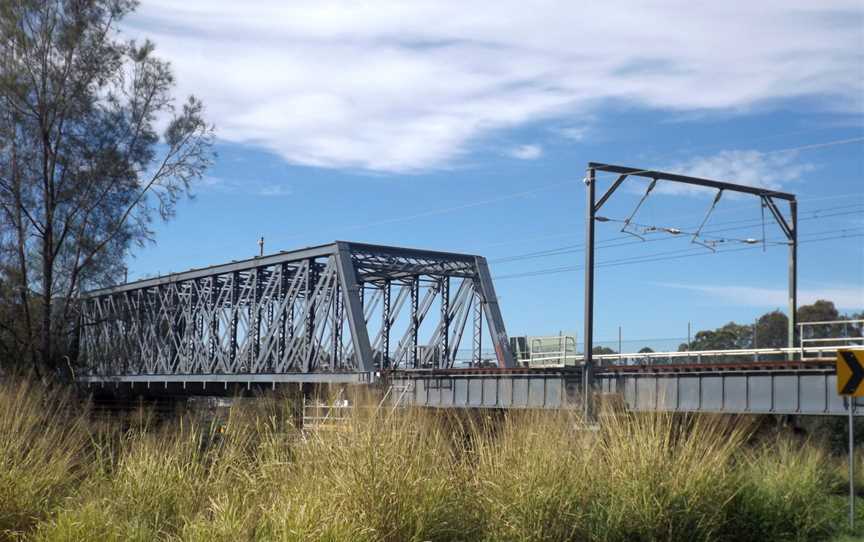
810	146
671	255
801	202
514	195
446	210
636	210
610	243
695	238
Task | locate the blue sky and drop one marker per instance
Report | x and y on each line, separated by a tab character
421	124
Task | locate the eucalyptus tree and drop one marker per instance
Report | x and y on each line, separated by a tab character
93	147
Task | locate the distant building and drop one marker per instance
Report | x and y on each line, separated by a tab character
547	351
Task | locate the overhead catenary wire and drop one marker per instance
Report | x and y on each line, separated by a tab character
636	210
647	173
469	205
671	255
613	242
567	269
519	194
809	146
801	202
695	237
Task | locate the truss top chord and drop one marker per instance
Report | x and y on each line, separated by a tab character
373	262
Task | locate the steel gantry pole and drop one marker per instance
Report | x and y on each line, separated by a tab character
443	359
793	271
587	369
768	197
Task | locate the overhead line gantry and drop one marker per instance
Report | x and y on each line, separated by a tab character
769	199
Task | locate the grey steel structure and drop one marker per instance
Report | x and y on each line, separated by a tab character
339	312
348	312
785	388
768	198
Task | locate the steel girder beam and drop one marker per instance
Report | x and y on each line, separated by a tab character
302	311
805	391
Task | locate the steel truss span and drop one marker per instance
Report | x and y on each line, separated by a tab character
331	309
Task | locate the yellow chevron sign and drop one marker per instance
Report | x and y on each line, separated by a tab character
850	372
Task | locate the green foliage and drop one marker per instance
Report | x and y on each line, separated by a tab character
820	311
83	167
771	329
731	336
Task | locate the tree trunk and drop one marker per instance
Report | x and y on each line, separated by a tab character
21	246
45	347
45	343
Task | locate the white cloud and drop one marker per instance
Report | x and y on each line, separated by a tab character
774	171
233	186
274	190
526	152
844	297
574	133
406	86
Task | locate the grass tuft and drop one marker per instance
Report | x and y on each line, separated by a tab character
404	475
43	453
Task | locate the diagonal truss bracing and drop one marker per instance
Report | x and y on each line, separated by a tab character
342	307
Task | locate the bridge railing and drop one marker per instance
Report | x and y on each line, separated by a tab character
808	353
816	341
812	353
832	333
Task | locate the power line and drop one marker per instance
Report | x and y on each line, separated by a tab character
739	141
446	210
801	201
514	195
819	145
671	255
610	243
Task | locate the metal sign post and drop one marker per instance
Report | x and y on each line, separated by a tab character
850	384
851	462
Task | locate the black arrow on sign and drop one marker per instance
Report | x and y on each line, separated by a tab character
857	373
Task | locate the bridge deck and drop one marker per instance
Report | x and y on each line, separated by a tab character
790	387
793	387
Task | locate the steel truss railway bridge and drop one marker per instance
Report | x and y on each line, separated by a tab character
414	322
350	313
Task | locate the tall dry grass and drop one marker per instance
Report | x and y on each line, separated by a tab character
636	477
386	475
44	451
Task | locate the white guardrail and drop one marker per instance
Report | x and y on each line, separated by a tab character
694	355
809	349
